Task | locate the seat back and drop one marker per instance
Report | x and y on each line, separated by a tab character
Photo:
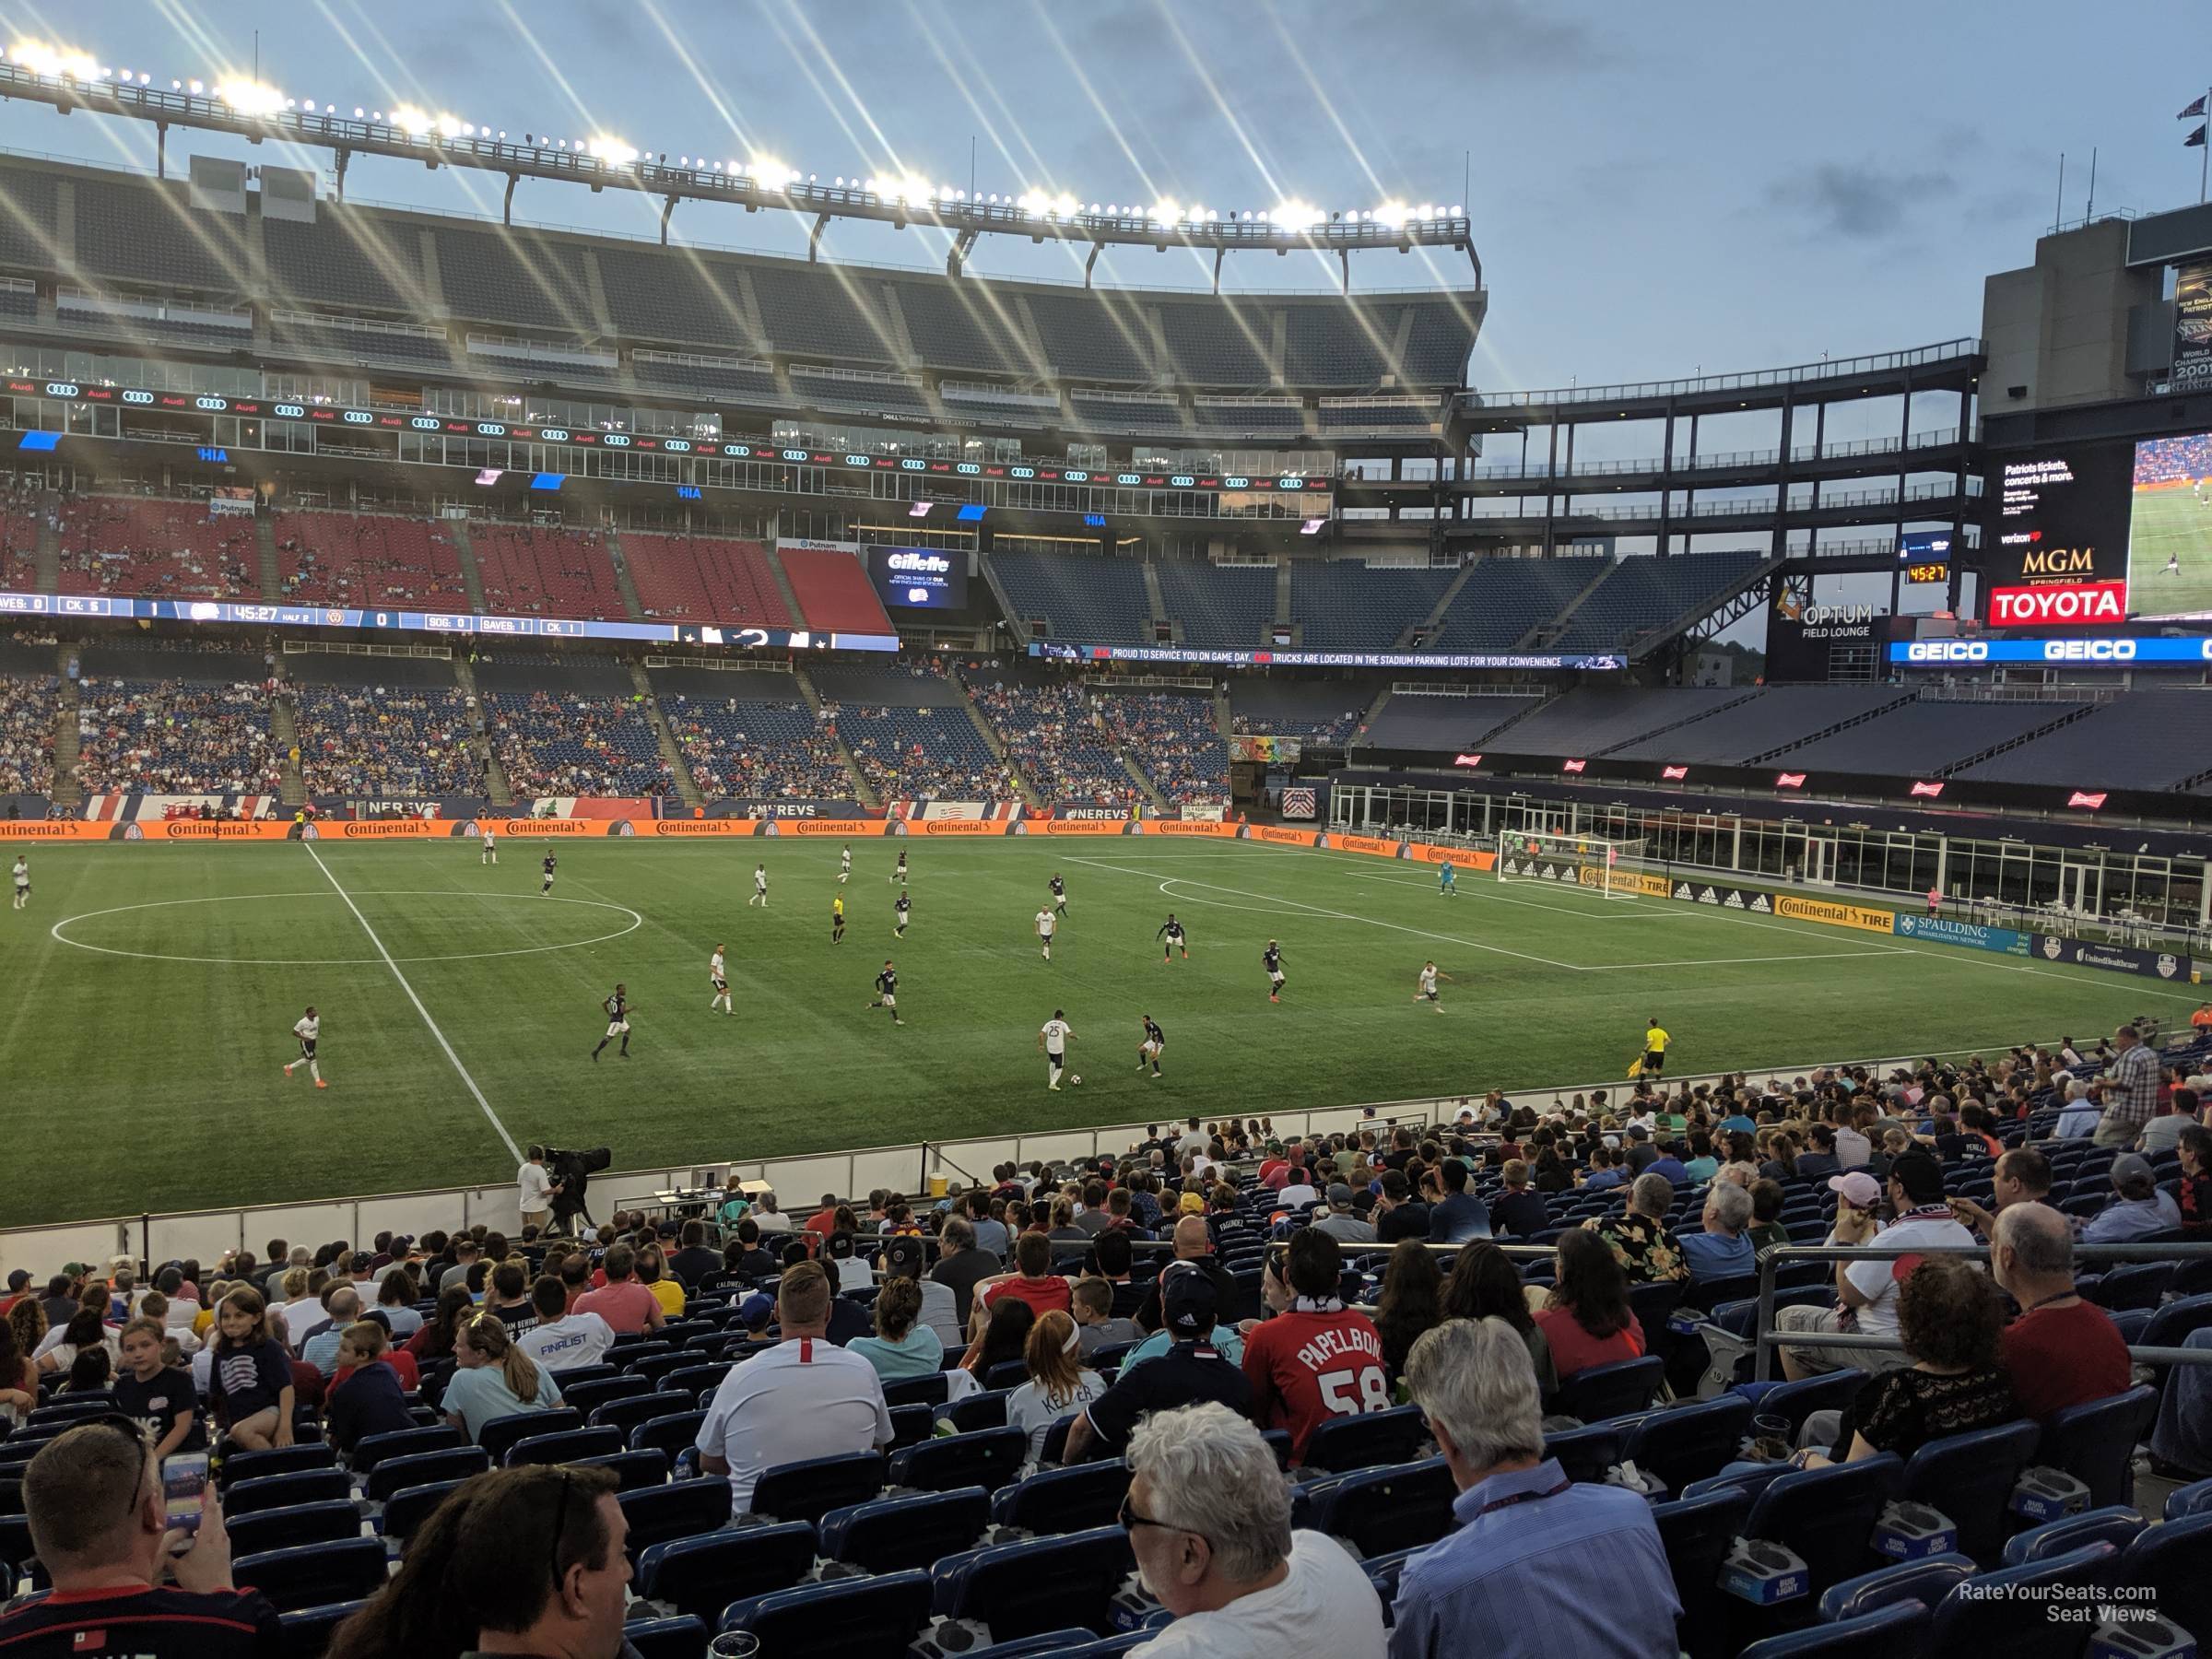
567	1446
1038	1584
1344	1443
847	1618
1895	1630
676	1432
1584	1453
1969	1478
988	1458
1689	1441
811	1487
985	1410
704	1574
589	1395
500	1434
895	1535
631	1410
409	1507
419	1468
1697	1534
404	1443
277	1460
1831	1391
313	1575
1069	1500
1825	1515
2116	1523
1927	1581
1383	1509
281	1491
631	1469
327	1521
2008	1611
2195	1498
2175	1560
307	1633
678	1637
2095	1442
916	1391
679	1510
1611	1391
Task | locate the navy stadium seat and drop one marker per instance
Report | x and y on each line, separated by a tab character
985	1410
2008	1611
1109	1647
501	1434
307	1633
910	1425
896	1535
702	1575
988	1458
2115	1524
916	1391
1894	1630
631	1469
2096	1443
409	1507
1689	1441
1006	1373
1343	1444
1831	1391
567	1446
455	1462
1384	1509
588	1396
632	1410
1067	1500
1611	1391
1969	1478
405	1442
1927	1581
679	1638
1585	1453
1825	1515
281	1491
678	1510
1697	1534
848	1619
670	1435
277	1460
810	1488
322	1523
2175	1560
313	1575
2195	1498
1038	1584
695	1380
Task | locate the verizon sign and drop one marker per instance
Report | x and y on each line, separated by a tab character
2055	604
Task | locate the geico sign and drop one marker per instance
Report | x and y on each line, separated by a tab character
1947	651
2058	602
2089	651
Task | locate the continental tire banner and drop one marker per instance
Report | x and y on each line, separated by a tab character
680	828
1466	858
1836	914
1273	835
1944	931
52	829
384	830
1187	827
2113	959
1371	845
848	828
955	827
550	827
1063	826
1641	882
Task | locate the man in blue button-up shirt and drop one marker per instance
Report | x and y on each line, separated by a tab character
1540	1566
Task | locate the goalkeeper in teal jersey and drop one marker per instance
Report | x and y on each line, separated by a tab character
1446	875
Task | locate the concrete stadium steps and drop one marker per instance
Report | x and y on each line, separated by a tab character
1031	794
271	573
496	785
687	786
67	790
50	547
624	584
1562	621
472	578
861	792
283	726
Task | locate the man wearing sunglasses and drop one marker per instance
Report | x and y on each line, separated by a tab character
99	1523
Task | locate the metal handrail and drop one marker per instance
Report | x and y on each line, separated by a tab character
1785	1254
1839	369
1935	437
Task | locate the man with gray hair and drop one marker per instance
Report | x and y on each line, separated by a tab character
1541	1565
1642	1242
1209	1517
1723	1250
2064	1349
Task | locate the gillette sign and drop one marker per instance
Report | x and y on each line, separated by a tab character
919	578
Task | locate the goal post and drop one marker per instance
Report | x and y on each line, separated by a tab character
1611	867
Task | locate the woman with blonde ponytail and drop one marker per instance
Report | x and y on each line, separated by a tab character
494	1379
1060	1384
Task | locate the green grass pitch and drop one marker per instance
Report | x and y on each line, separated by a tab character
142	1058
2170	523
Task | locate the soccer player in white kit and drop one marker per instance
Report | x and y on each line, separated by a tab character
844	864
1053	1037
308	1028
491	847
22	877
1428	991
719	978
1046	923
760	887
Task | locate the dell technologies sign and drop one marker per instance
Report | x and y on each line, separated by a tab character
920	578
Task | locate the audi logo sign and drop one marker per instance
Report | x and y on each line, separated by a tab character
64	389
290	411
617	441
359	417
138	397
555	434
424	423
213	405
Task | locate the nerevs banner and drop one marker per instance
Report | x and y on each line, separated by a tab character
2113	959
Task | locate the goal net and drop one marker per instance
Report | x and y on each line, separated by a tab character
1612	867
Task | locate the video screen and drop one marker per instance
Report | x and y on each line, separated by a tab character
920	578
2061	554
2170	530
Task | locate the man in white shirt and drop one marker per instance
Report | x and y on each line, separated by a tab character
1867	1288
534	1189
562	1341
2078	1119
1053	1037
766	1217
803	1398
1194	1138
1210	1521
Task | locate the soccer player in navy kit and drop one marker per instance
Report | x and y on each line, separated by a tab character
899	875
1155	1039
547	865
1273	958
887	992
617	1020
1059	895
905	907
1172	931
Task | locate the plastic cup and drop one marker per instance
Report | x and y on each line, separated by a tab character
734	1645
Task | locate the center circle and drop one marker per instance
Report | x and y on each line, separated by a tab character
333	896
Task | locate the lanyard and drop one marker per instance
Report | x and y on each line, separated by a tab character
1508	1501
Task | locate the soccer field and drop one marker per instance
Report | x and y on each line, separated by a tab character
154	987
2162	523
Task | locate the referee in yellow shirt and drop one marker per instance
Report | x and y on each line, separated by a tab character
1655	1040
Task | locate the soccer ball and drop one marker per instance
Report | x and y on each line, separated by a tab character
1076	1077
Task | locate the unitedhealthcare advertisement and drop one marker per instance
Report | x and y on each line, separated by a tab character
1944	931
920	578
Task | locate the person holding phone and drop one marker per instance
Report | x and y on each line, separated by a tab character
100	1522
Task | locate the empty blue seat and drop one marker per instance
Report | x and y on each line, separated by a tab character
847	1618
1697	1534
501	1433
1006	1373
566	1446
988	1458
1070	1499
2116	1523
2008	1611
680	1509
1584	1453
631	1410
1343	1444
631	1469
2095	1442
811	1487
405	1442
324	1523
1384	1509
307	1631
916	1391
1827	1515
897	1534
1038	1584
313	1575
1794	1401
1611	1391
1689	1441
589	1395
1969	1478
1109	1647
277	1460
2195	1498
985	1410
282	1491
702	1575
1927	1581
680	1638
2136	1285
695	1380
409	1507
2175	1560
422	1468
1895	1630
673	1434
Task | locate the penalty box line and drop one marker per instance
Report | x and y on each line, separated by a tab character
490	1116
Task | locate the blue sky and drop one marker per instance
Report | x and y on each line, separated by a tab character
1655	191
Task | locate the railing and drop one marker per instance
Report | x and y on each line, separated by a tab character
1481	509
1785	1254
1725	461
1947	351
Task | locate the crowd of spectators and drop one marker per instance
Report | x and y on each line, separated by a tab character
740	748
176	737
162	548
364	561
912	753
27	716
1052	734
569	745
415	743
1174	738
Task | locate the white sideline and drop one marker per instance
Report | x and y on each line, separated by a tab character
492	1117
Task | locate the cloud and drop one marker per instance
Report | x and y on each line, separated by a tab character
1863	200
